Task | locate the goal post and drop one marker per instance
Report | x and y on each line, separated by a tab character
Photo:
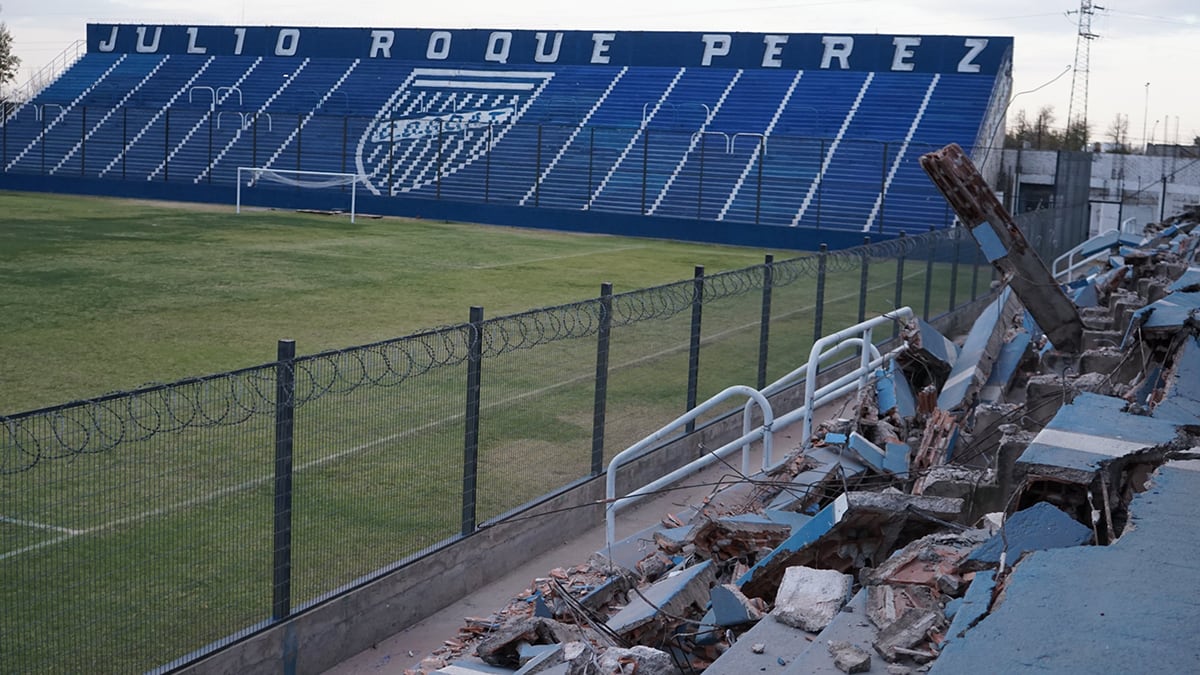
248	176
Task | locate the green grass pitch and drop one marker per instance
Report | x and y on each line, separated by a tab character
125	559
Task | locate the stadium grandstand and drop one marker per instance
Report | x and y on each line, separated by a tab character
734	133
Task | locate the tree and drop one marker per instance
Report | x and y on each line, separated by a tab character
1118	133
9	62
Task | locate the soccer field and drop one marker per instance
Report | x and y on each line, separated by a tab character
136	529
103	294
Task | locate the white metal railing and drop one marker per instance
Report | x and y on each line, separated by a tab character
1075	258
862	374
829	392
858	336
47	74
763	432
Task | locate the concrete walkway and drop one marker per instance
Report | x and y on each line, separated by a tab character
406	648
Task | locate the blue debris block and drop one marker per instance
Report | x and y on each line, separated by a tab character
1088	432
671	596
931	344
813	530
893	460
964	374
731	608
828	460
1182	402
790	518
974	604
1190	281
1170	313
835	439
893	391
705	633
1005	368
1086	295
1040	527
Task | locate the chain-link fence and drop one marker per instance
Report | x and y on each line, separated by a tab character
150	526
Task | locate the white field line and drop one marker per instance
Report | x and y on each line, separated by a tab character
555	257
254	482
38	526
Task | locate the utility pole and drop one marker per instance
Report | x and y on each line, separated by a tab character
1077	109
1145	120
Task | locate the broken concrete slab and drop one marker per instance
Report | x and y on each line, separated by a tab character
1004	245
979	350
893	460
737	536
950	480
928	560
1089	432
911	629
638	659
809	598
975	604
537	659
1123	608
1038	528
1180	396
1005	368
928	350
1188	282
1169	314
887	517
893	392
731	608
502	648
850	658
470	668
670	596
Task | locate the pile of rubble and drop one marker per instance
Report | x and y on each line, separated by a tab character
893	533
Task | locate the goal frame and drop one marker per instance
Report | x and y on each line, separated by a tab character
352	178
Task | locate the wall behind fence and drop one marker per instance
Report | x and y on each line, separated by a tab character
161	524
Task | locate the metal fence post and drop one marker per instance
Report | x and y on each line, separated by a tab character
819	313
167	144
930	249
591	161
764	324
693	383
537	169
954	269
975	275
285	410
899	299
209	124
645	167
82	140
471	436
299	140
864	277
762	159
820	180
125	138
883	171
599	406
438	175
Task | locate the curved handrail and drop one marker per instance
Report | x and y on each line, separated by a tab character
613	504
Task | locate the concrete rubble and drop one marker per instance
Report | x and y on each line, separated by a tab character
897	535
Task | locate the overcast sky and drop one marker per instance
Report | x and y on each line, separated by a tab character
1155	41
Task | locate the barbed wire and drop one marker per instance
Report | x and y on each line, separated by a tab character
234	398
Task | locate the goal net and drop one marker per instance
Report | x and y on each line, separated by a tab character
249	176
